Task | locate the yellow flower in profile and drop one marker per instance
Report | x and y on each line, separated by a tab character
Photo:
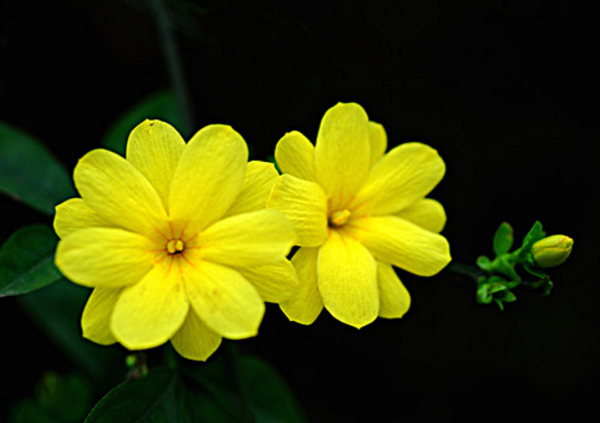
175	241
356	212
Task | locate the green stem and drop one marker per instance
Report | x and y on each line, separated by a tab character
466	270
174	64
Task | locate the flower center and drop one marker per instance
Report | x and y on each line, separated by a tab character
175	246
339	218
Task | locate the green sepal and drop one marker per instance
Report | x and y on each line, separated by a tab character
496	289
534	270
503	239
484	263
534	235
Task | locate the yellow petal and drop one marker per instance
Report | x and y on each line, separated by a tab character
195	341
154	148
95	321
208	178
274	282
342	153
225	301
305	204
394	299
426	213
305	305
256	188
73	215
295	155
105	257
249	239
347	275
401	243
118	192
378	140
150	312
404	175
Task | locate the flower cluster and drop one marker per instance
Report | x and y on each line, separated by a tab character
184	242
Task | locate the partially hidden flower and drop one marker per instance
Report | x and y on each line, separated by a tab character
175	241
357	213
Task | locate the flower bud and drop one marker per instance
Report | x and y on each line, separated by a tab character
552	251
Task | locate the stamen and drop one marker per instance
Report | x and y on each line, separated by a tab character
339	217
175	246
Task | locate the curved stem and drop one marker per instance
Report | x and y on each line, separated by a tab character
174	64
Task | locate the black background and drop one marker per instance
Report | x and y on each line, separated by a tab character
506	92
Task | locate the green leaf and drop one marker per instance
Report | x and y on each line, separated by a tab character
162	105
29	173
57	310
271	400
247	384
155	398
503	239
27	261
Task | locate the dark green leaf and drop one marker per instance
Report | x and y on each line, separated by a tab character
503	239
271	400
162	105
29	173
244	386
156	398
57	311
27	261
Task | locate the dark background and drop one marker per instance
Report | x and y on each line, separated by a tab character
505	91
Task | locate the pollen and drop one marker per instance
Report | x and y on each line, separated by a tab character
175	246
339	218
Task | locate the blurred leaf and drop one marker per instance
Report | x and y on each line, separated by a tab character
58	398
27	261
503	239
29	173
57	310
162	105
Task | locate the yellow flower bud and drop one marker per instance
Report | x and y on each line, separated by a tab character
552	251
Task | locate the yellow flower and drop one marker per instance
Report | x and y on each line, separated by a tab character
357	212
174	241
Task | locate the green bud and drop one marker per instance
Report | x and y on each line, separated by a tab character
552	251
